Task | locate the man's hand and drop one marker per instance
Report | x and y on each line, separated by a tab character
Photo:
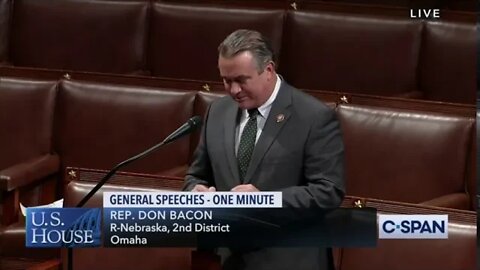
245	188
203	188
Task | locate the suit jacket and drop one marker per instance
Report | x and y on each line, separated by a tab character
300	154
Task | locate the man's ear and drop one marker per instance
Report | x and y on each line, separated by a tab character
270	68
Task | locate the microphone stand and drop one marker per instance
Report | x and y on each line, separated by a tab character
180	132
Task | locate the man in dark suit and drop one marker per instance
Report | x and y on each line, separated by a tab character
268	136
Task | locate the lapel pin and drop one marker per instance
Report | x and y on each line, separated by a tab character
280	118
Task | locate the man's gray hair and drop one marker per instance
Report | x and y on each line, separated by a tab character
248	40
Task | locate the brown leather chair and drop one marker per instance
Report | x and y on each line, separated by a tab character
407	155
27	163
352	49
100	125
202	102
448	63
101	36
184	36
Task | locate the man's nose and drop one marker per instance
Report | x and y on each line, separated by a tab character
235	88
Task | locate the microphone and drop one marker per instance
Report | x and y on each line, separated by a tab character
187	128
192	124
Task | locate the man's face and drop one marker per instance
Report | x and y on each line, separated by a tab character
242	80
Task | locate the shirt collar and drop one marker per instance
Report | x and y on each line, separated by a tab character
264	109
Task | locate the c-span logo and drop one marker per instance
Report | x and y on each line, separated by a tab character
63	227
412	226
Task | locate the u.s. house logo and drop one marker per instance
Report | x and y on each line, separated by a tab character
63	227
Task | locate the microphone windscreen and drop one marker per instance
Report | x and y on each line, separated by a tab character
195	122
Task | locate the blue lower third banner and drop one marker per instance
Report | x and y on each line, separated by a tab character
63	227
200	227
238	227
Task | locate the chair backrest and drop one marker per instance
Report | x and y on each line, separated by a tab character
101	36
345	48
448	64
100	125
405	155
26	117
184	37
